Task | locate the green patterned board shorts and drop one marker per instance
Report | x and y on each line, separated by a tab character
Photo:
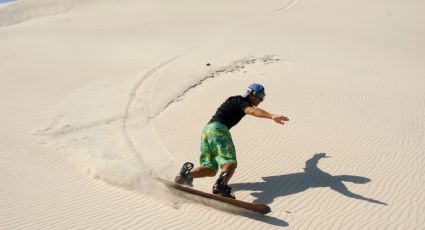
217	147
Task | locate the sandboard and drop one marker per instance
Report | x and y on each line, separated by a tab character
256	207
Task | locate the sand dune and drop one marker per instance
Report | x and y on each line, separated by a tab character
99	97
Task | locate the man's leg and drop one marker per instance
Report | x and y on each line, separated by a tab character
186	174
230	169
208	172
202	172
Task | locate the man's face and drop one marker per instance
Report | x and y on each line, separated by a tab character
254	101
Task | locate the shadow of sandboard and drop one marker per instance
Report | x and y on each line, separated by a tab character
255	207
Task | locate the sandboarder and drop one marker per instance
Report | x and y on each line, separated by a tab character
217	148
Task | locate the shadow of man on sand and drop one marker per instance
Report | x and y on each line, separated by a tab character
312	177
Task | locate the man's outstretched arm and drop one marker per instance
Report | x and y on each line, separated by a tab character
257	112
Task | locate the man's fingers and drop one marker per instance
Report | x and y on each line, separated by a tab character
280	119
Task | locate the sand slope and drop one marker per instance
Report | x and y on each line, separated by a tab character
98	97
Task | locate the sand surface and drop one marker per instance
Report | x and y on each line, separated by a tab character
98	97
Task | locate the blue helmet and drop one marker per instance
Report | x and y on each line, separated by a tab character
257	90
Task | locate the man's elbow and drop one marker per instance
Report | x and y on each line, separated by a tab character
250	110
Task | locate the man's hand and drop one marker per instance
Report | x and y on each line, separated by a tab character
279	119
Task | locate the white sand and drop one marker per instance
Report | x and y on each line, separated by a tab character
96	97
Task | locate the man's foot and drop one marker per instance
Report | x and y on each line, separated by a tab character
184	177
223	189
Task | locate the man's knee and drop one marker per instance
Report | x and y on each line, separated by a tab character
229	167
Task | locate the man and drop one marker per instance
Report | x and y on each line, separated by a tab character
217	149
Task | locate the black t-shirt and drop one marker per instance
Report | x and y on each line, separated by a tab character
231	111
